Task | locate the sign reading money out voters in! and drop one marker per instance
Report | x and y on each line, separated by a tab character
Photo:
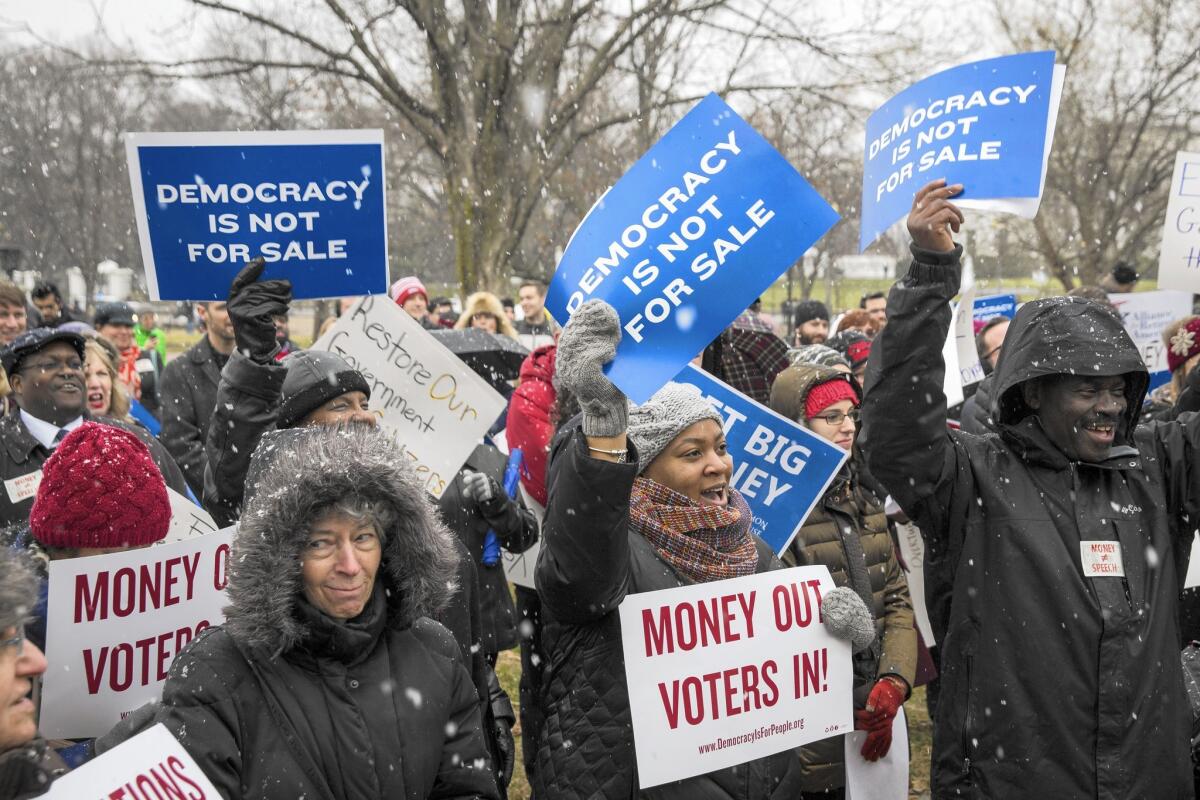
1179	259
150	766
987	125
686	241
725	672
114	624
311	203
435	404
1144	315
779	466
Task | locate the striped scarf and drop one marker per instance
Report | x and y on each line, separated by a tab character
701	542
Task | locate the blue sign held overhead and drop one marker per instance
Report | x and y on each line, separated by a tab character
986	125
686	241
995	305
310	202
779	466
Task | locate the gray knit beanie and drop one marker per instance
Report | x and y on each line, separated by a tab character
817	354
671	410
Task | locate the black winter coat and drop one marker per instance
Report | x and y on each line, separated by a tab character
187	393
21	454
281	701
589	561
247	406
1053	684
515	527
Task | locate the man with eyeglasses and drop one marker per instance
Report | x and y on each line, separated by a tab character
45	371
27	764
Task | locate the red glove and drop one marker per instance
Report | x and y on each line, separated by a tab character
876	719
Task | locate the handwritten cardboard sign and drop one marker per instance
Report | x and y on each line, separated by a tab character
438	408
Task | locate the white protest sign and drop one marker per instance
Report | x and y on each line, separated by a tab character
725	672
152	764
959	352
885	779
187	519
519	567
912	552
437	407
1179	259
1144	315
115	622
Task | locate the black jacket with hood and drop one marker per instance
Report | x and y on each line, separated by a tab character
590	560
188	392
1053	684
251	399
281	701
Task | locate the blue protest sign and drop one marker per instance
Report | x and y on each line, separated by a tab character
987	125
686	241
779	466
995	305
310	202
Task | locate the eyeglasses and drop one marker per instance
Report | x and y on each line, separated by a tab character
837	417
54	365
17	642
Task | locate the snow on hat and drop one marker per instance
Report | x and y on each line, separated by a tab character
1184	344
656	422
854	345
100	488
823	395
809	310
406	287
817	354
313	378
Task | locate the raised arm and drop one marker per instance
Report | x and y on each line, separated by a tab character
905	438
583	568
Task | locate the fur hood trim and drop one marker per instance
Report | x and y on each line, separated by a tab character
294	474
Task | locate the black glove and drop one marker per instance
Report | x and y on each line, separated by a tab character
506	750
253	306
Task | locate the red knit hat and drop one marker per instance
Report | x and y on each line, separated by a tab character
100	488
406	287
823	395
1184	344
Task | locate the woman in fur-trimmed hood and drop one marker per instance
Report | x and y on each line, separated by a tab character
328	679
484	310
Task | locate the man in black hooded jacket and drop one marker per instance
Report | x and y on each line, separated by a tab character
1054	550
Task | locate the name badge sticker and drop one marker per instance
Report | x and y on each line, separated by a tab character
24	487
1102	559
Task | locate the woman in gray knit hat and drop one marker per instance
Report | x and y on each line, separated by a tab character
639	500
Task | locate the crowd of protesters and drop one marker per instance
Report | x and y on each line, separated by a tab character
366	619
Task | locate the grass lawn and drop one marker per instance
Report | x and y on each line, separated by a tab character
508	667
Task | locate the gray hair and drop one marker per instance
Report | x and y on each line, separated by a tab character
360	509
18	589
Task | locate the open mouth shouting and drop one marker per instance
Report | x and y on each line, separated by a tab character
715	495
95	400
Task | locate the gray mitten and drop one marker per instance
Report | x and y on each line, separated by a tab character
588	342
848	618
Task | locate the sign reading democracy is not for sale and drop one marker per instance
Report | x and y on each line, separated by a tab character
686	241
725	672
780	467
311	203
114	624
438	408
987	125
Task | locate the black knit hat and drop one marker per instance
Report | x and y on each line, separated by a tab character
809	310
1124	273
314	377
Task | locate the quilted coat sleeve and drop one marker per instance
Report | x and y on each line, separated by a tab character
583	567
908	447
